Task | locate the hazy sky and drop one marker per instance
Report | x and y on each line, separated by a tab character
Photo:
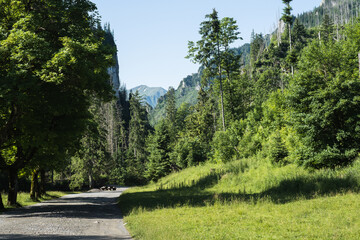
152	35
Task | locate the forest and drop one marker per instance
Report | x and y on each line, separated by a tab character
62	125
295	101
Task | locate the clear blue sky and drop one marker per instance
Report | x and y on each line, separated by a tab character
152	35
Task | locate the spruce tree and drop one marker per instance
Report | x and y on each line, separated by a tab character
327	29
288	20
138	131
159	164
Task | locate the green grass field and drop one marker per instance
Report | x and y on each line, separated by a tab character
247	199
24	199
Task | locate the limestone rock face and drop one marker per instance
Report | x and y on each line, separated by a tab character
332	3
114	76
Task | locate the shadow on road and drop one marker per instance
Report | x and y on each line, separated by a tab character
92	215
80	206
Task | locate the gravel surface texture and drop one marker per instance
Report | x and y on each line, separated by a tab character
91	215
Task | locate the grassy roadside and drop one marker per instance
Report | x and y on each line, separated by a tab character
24	197
248	199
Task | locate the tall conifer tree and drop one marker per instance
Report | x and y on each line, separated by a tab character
288	20
213	51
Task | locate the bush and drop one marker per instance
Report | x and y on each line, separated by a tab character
224	146
188	152
277	150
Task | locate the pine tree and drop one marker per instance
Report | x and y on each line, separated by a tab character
327	29
93	158
138	126
158	164
138	131
170	107
288	20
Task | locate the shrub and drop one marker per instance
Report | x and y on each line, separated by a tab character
224	146
277	150
188	152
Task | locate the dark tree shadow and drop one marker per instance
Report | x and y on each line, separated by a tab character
74	207
308	188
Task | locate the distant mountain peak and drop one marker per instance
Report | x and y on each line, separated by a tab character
151	95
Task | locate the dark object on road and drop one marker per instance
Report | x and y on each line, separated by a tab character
109	188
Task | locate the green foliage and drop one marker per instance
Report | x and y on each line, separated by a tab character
53	61
92	160
138	131
277	149
324	101
158	164
138	126
224	145
287	17
327	29
256	48
185	93
188	152
214	54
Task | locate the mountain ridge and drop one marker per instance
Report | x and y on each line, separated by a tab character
151	95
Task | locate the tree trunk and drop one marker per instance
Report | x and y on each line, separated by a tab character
42	189
359	62
34	191
13	187
1	203
222	95
292	66
290	36
91	181
222	105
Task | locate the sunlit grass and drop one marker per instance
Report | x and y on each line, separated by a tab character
247	199
333	217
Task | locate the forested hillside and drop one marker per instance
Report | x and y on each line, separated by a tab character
339	11
186	93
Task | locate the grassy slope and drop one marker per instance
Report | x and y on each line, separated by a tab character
248	199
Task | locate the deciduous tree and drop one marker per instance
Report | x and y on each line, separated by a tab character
52	58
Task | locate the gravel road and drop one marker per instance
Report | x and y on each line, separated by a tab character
92	215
